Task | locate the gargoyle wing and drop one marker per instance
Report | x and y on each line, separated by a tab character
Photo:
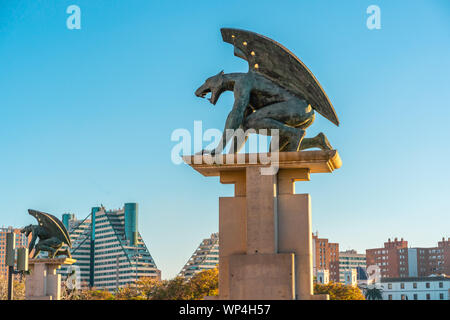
281	66
53	225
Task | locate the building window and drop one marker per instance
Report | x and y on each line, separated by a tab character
403	297
441	284
389	285
415	296
415	285
390	297
441	296
427	285
402	286
428	296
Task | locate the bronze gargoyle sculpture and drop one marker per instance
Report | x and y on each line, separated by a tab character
278	92
52	235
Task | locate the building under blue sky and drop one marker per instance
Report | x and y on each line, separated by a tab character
108	248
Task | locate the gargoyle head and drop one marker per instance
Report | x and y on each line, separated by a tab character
215	85
27	230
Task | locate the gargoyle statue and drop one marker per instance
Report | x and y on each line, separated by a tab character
52	235
278	92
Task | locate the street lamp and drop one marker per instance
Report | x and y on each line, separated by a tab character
22	261
136	257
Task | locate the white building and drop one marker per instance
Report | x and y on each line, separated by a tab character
323	276
415	288
205	257
350	277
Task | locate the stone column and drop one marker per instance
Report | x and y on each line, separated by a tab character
265	245
43	282
294	228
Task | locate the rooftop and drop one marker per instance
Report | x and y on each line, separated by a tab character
418	279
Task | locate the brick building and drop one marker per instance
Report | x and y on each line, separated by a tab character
387	258
430	261
396	260
325	256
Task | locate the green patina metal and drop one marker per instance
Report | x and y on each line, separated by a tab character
52	234
277	93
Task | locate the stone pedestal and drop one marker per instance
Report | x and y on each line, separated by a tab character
43	283
265	244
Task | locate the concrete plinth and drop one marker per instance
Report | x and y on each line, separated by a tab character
262	276
43	283
265	247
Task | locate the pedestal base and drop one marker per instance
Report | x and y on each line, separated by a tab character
43	283
246	272
265	247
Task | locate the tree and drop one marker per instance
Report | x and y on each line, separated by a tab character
85	294
339	291
97	295
373	293
128	292
149	287
18	287
204	283
174	289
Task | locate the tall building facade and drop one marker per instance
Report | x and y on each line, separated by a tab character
325	257
109	249
21	242
422	262
349	260
416	288
205	257
396	260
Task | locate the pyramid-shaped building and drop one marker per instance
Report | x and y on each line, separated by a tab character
205	257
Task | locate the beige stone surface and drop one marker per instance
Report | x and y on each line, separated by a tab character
261	212
314	161
294	235
237	178
233	236
319	297
262	277
56	261
288	177
43	283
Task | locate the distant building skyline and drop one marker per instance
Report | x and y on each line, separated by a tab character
205	257
416	288
109	249
348	260
325	256
88	116
395	259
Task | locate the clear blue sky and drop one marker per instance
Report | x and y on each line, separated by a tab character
86	115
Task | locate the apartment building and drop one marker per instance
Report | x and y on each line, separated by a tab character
109	249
